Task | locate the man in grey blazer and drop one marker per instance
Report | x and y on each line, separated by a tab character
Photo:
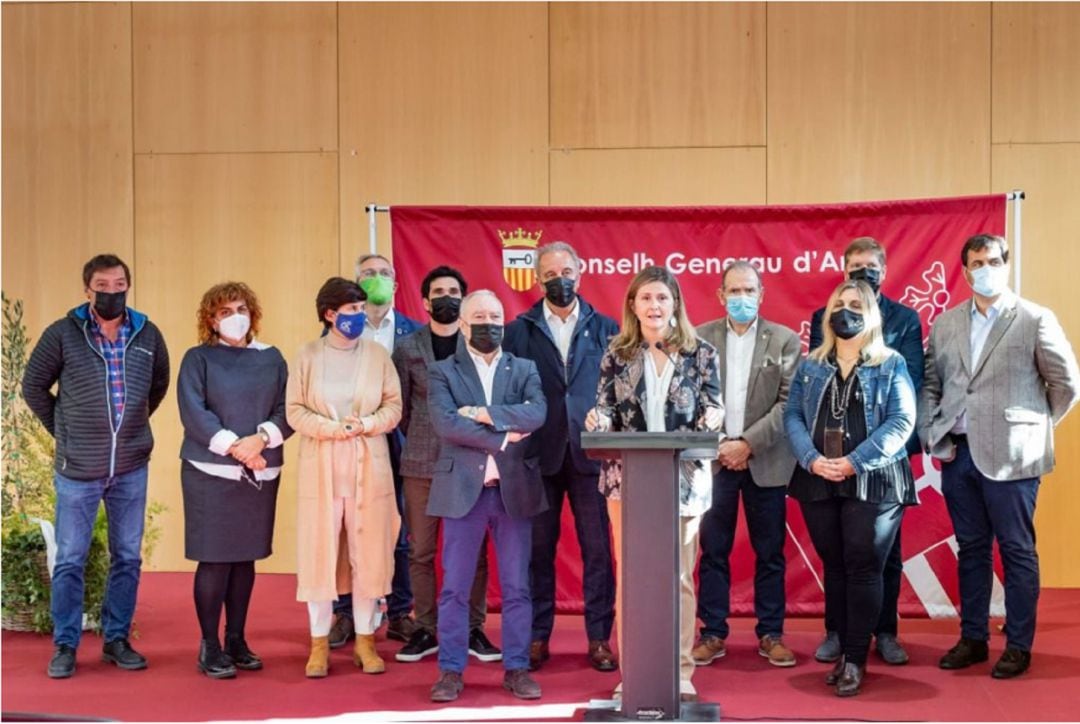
441	290
483	403
757	361
1000	374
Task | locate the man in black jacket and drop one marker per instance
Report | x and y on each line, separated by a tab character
111	369
864	259
566	338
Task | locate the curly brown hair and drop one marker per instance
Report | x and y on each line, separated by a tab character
219	295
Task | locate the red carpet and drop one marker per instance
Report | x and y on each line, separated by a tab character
743	683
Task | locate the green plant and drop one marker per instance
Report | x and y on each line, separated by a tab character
28	494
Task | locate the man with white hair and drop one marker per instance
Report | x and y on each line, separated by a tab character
483	402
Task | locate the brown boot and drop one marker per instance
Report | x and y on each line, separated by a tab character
364	654
318	663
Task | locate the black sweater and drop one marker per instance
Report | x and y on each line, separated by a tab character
230	388
79	416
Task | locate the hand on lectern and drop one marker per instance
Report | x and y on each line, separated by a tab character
597	422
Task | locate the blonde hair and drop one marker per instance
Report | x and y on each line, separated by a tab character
220	295
682	336
873	350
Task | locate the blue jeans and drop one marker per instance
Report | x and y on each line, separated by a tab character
594	536
982	510
462	538
765	510
77	504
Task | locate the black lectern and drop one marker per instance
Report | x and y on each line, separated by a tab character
650	573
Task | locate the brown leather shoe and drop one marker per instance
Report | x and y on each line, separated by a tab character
601	657
708	650
538	654
773	649
447	687
520	684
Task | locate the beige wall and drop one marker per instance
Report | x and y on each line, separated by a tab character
208	141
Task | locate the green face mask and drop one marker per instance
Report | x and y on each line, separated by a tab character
379	289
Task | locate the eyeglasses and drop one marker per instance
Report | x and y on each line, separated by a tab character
369	273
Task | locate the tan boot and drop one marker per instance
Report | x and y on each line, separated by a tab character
318	663
364	655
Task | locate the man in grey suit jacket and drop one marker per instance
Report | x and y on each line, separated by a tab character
757	361
441	291
483	403
1000	374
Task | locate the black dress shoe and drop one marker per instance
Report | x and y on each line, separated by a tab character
214	662
964	654
481	648
119	652
850	680
423	643
837	671
1013	662
342	631
62	663
243	657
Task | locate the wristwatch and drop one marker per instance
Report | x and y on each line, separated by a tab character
264	435
472	411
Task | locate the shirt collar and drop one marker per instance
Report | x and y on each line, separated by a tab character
478	359
95	324
994	310
388	320
549	315
750	331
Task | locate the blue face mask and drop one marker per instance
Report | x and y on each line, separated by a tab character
742	309
350	326
989	281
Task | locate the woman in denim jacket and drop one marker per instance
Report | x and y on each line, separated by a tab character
848	417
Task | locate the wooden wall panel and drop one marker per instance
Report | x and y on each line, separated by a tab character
658	177
442	104
1050	176
235	77
269	220
1036	70
636	75
66	149
878	100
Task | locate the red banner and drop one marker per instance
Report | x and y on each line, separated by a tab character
800	252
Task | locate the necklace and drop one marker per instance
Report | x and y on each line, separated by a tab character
840	398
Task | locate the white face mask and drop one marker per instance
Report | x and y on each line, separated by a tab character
990	281
235	326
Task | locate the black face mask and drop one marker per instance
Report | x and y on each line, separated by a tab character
846	323
869	275
110	305
560	291
485	338
445	309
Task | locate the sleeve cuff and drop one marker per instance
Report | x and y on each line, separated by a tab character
274	432
222	441
505	442
368	422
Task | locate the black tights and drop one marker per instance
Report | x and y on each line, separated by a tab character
218	584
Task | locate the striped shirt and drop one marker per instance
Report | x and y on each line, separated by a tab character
113	352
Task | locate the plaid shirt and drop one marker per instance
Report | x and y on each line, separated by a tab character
113	352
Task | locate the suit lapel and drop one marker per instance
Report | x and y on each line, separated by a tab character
1001	324
964	339
467	369
427	348
721	350
761	346
501	381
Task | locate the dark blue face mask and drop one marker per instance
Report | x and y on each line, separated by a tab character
350	326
